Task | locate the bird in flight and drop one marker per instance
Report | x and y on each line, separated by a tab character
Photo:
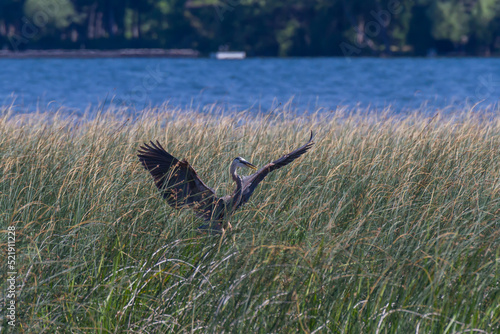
182	188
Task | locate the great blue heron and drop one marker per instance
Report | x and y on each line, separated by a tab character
181	187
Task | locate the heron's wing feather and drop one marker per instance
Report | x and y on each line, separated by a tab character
177	180
249	183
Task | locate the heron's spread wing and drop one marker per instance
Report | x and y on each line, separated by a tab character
177	180
251	182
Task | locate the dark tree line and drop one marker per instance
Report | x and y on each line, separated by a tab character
259	27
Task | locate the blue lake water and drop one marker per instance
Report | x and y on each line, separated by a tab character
259	83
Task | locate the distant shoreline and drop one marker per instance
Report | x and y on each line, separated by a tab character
172	53
87	53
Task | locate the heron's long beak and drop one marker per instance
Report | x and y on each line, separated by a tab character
249	165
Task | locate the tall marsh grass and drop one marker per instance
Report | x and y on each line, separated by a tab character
388	225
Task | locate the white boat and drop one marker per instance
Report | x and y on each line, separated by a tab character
230	55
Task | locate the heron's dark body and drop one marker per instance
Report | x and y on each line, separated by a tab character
181	186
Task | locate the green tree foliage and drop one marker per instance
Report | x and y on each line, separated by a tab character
450	20
482	24
259	27
58	13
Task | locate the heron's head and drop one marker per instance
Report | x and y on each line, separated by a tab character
240	162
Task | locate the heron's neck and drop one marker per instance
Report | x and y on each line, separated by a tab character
234	174
237	192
